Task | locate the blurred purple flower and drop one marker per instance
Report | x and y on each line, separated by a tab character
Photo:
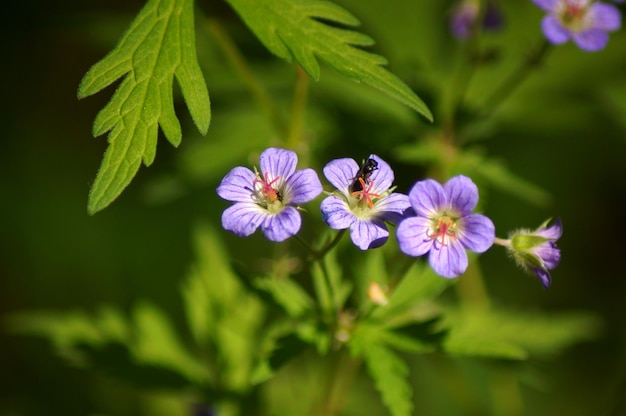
445	226
365	210
536	250
586	22
264	199
466	14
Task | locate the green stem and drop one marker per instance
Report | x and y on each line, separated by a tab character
237	60
502	242
339	384
405	263
516	78
319	257
461	81
295	135
331	244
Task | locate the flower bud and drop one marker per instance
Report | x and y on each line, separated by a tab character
536	251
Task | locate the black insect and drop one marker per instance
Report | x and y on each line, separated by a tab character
364	173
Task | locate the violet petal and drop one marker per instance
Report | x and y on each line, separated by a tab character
413	236
369	234
237	185
303	186
279	227
476	232
243	218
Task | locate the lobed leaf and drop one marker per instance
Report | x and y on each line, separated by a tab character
509	334
298	30
159	44
390	376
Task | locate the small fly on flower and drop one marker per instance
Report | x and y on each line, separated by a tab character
364	173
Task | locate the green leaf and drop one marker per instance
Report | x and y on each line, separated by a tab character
159	44
419	285
497	175
502	333
223	316
294	300
146	353
157	343
330	288
115	360
390	376
298	30
416	337
285	349
475	164
64	330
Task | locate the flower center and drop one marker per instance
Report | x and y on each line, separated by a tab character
364	195
267	194
445	228
573	15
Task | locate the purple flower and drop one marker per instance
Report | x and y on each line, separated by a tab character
584	21
536	250
263	199
467	12
364	201
445	226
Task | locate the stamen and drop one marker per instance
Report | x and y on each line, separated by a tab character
365	193
267	190
445	228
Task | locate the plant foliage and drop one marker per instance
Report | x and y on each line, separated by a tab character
300	31
158	46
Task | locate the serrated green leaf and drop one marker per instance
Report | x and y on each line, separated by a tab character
297	30
390	376
159	44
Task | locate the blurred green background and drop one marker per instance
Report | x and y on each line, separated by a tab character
564	130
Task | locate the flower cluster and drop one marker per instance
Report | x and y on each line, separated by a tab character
433	219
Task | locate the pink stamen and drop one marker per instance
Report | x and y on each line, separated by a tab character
573	12
444	230
267	190
365	193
